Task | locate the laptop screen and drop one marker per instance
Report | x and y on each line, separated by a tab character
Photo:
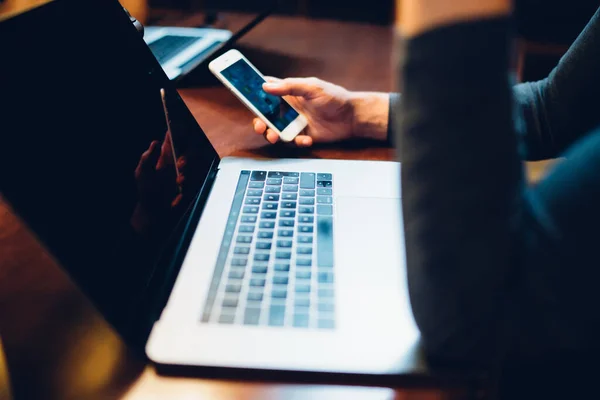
86	157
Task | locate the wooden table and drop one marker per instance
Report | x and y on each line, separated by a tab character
58	346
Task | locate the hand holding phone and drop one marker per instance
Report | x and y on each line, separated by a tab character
245	81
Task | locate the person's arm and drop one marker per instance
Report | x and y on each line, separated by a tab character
370	114
563	107
461	174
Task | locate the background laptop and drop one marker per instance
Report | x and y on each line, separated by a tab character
273	269
179	50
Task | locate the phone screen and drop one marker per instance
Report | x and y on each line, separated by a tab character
245	79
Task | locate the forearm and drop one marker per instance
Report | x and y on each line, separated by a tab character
562	108
461	182
371	114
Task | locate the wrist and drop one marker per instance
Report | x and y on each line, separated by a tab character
370	113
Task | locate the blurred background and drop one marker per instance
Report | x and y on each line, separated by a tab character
545	28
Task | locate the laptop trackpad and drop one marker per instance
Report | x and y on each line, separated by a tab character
370	240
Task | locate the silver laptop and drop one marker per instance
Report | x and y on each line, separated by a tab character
229	266
180	50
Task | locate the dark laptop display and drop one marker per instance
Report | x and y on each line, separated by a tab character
86	158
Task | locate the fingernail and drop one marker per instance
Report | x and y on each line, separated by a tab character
270	86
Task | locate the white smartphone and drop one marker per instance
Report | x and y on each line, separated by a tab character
245	81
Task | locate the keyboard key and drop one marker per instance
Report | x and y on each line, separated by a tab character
248	218
279	174
236	274
252	200
326	307
301	320
265	235
246	228
280	280
325	241
255	296
267	224
252	316
258	176
276	315
230	302
233	288
268	214
239	262
325	184
324	177
306	210
259	276
263	245
323	209
241	250
273	189
307	180
259	269
256	185
304	262
325	292
284	243
290	188
289	196
303	274
324	192
307	192
244	239
305	228
261	257
304	250
288	180
274	181
305	239
257	282
326	324
325	277
307	201
286	222
324	199
254	193
250	209
302	301
288	204
285	233
306	219
226	318
269	206
271	197
302	288
282	267
279	293
283	255
287	213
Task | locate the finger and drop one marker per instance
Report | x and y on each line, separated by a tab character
303	141
181	162
166	153
271	136
259	126
303	87
272	79
150	156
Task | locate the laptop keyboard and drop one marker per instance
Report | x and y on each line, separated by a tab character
167	47
275	265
